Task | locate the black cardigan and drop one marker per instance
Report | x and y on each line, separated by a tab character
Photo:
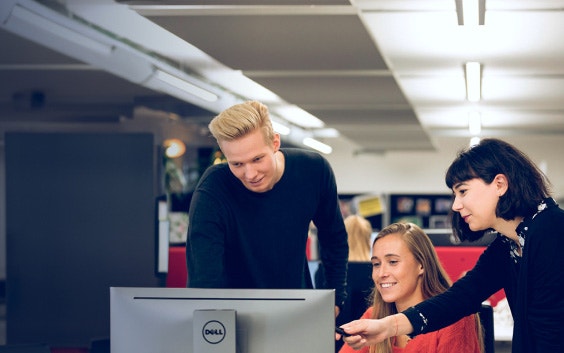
534	287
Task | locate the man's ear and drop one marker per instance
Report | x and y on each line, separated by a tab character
276	142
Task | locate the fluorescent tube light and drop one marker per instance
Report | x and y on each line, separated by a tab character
473	81
280	128
474	123
317	145
298	116
471	12
178	87
474	141
326	133
21	15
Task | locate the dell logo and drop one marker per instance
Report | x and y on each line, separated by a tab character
213	332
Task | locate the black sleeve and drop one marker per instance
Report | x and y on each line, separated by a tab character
543	309
465	296
332	236
205	243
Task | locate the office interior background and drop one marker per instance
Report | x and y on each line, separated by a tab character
386	86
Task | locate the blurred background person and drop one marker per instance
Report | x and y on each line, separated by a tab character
359	231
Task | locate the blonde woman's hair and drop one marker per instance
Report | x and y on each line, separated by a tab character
240	120
359	231
434	278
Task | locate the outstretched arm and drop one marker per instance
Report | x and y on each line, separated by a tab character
366	332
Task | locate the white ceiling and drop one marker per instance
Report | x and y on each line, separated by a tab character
388	75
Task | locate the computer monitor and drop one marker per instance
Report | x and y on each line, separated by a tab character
149	320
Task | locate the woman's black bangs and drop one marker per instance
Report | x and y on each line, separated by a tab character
459	171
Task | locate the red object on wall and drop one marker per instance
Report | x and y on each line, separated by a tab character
177	275
456	260
177	271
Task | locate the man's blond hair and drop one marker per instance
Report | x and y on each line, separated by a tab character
240	120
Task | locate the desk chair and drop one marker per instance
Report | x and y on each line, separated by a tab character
359	288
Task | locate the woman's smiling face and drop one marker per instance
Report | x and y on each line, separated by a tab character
396	273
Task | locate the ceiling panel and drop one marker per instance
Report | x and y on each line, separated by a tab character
327	64
279	42
387	74
259	3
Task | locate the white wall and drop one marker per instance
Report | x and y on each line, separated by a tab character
423	172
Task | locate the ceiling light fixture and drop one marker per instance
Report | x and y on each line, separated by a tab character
474	123
174	148
28	22
473	75
317	145
328	132
280	128
474	141
298	116
178	87
75	37
471	12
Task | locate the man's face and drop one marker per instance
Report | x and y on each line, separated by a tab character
253	161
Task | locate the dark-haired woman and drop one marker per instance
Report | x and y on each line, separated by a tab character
496	188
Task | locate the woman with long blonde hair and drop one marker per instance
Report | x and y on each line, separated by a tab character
406	271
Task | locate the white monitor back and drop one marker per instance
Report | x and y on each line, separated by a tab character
159	320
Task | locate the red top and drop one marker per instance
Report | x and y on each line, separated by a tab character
460	337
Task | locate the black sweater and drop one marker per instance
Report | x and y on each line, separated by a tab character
241	239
